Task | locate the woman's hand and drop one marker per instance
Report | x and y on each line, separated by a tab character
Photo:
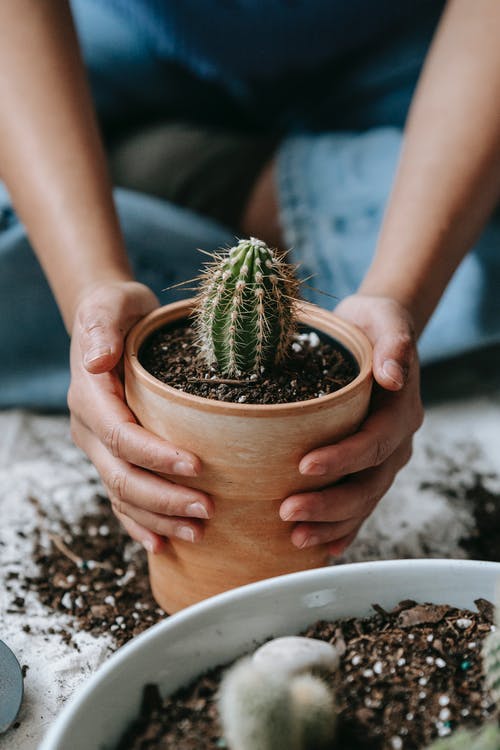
359	470
123	452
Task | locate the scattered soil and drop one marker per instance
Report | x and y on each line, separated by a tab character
484	543
406	677
316	366
93	573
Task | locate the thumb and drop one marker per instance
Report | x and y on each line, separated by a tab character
393	354
103	320
389	326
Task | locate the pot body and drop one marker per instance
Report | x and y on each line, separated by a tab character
250	456
214	632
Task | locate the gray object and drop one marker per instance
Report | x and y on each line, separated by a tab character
11	687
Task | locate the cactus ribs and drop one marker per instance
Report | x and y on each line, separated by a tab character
244	343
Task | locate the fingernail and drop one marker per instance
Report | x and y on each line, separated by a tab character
313	468
148	546
97	353
186	533
197	510
293	514
184	468
309	541
393	371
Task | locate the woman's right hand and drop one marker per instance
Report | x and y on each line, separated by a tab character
124	453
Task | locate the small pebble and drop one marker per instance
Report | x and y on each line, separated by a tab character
422	681
396	743
104	530
110	600
430	638
401	662
356	659
368	673
444	731
377	667
440	663
444	714
429	660
443	700
67	601
463	623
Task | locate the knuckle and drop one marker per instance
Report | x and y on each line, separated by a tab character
113	439
418	417
118	507
117	483
382	449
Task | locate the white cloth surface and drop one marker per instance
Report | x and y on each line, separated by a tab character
459	440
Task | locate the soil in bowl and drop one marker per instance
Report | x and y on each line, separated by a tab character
316	366
405	677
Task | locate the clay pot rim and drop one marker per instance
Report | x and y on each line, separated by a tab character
308	313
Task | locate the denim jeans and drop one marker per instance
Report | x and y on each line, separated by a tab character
332	188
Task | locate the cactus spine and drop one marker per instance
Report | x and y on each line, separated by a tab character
245	313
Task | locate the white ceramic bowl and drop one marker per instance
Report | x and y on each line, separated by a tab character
219	629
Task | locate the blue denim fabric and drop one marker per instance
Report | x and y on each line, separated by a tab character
333	189
162	242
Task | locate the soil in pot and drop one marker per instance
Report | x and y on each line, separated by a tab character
405	677
316	366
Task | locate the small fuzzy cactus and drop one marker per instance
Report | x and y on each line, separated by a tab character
264	710
245	313
274	700
488	736
491	657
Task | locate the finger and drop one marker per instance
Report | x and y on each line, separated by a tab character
143	489
393	356
339	546
164	526
103	319
310	535
108	417
356	496
390	330
150	541
377	439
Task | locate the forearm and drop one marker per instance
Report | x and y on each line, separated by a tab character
51	157
448	180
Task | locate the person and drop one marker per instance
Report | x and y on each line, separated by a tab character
303	105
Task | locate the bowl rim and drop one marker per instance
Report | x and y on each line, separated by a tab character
318	577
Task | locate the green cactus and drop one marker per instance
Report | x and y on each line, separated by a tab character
244	317
486	738
491	658
266	710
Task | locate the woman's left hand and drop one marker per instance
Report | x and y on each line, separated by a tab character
358	471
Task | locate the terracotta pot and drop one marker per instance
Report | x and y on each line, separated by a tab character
250	455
